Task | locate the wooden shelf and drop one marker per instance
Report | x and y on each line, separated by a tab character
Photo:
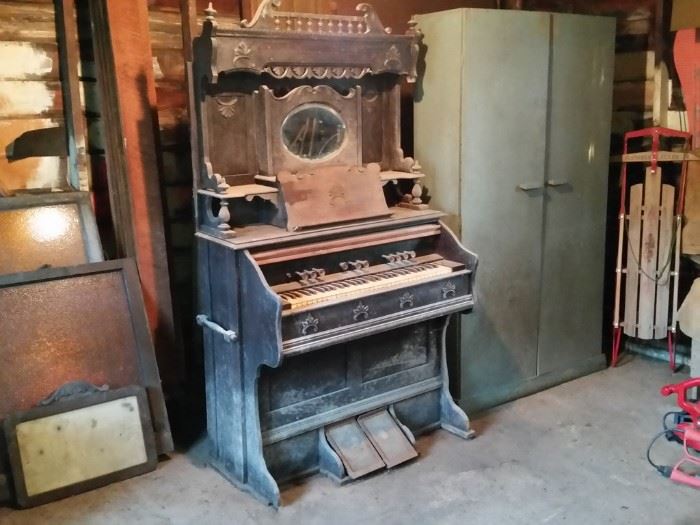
243	191
400	175
386	176
663	156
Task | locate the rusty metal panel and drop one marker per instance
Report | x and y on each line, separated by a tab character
47	230
85	323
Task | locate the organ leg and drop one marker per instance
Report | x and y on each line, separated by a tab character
452	417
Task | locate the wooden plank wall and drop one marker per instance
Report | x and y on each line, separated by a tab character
165	28
32	144
640	43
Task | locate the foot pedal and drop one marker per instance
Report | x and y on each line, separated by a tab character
387	437
370	442
354	448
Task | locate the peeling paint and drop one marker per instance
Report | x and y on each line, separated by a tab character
47	174
31	173
25	98
23	60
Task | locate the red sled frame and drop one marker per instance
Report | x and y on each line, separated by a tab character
656	133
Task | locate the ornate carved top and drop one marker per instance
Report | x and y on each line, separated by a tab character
290	53
269	18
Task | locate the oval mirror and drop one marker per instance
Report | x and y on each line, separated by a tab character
313	131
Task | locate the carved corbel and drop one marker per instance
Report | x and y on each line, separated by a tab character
264	10
417	35
372	21
213	181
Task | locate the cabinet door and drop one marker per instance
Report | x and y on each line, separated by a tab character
575	211
504	110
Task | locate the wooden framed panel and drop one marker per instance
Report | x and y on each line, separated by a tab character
84	323
80	444
53	229
295	151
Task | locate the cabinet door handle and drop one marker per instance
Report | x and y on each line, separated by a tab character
554	183
530	186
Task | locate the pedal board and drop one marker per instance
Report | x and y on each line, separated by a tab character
370	442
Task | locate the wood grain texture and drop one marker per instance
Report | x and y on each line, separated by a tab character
75	125
634	232
648	254
129	101
665	263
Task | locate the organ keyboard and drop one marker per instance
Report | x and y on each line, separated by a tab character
325	282
346	285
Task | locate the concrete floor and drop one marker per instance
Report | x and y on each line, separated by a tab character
573	454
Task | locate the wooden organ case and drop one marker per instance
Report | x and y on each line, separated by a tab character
325	281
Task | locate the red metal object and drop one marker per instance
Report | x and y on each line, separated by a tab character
617	336
656	133
672	351
678	474
681	391
687	432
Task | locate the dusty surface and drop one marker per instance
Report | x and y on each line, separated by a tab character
573	454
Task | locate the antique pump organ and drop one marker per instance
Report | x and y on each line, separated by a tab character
325	281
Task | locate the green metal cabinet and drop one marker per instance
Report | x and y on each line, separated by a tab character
512	127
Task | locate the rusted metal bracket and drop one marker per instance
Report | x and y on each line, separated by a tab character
229	335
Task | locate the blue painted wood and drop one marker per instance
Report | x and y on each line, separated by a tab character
273	389
266	410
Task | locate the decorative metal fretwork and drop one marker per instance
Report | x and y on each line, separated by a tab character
318	72
448	290
72	390
361	311
406	300
309	324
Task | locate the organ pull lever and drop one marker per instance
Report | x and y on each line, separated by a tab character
359	264
229	335
312	275
400	257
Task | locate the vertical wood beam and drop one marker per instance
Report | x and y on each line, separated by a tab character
125	76
188	13
69	61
